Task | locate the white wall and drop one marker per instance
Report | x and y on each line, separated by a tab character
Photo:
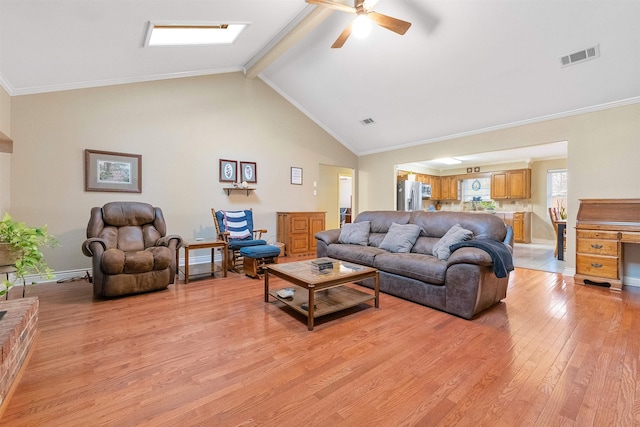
603	153
181	127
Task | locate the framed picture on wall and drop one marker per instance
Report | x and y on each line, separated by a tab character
248	172
228	170
111	171
296	176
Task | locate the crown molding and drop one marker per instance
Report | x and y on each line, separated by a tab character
112	82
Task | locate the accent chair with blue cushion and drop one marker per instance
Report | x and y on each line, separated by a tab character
236	228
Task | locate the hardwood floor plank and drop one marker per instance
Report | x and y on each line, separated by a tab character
212	352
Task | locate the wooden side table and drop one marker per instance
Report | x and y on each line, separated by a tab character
199	269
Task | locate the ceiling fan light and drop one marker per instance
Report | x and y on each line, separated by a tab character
361	26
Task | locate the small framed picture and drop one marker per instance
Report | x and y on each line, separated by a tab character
110	171
228	170
476	169
296	176
248	172
469	170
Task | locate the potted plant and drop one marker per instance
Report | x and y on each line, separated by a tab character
20	247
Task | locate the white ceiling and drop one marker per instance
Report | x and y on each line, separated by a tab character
463	66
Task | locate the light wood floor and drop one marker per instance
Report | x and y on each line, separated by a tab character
213	353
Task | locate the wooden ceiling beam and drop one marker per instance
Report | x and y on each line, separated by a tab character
308	23
6	144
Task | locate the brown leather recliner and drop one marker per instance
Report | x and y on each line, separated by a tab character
130	249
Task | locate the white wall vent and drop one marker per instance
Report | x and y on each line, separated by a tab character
580	56
368	121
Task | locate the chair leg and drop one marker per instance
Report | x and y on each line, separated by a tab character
254	267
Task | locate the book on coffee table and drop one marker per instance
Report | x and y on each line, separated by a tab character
322	263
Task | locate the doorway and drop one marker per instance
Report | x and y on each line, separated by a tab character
345	197
336	189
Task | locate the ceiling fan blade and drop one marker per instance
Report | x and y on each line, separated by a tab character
344	35
396	25
333	5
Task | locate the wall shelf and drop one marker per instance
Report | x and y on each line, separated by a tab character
228	190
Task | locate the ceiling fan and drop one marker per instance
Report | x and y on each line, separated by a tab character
393	24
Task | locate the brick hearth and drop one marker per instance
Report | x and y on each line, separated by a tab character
17	332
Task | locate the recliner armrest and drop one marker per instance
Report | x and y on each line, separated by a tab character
168	241
88	246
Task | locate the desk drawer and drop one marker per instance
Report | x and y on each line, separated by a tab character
595	234
630	237
598	247
593	265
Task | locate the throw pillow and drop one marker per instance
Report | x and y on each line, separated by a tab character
400	237
455	234
356	233
237	224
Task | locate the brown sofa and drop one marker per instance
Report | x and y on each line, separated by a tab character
130	249
463	285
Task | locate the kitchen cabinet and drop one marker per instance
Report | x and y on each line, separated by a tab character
521	224
297	231
449	188
522	227
514	184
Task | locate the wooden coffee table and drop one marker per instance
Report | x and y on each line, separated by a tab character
322	291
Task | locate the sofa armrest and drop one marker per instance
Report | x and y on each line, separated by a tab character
328	236
470	256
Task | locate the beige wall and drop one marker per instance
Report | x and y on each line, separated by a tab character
5	158
181	127
603	152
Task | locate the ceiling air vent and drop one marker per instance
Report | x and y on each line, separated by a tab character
368	121
580	56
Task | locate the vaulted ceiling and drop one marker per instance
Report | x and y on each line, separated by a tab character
463	67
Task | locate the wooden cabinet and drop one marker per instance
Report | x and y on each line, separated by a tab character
521	224
522	227
515	184
297	230
436	188
449	187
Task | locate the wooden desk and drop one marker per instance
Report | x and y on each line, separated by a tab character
200	269
602	226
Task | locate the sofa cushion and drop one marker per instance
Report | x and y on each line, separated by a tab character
381	220
363	255
400	238
355	233
456	234
425	268
424	245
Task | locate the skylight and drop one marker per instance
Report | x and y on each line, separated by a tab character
189	34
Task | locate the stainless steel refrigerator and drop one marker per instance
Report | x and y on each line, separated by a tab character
409	196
